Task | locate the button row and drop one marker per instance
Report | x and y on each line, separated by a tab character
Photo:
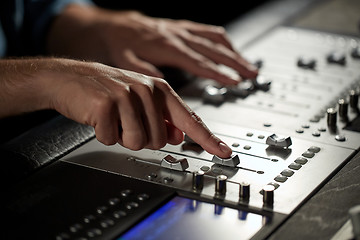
297	164
104	216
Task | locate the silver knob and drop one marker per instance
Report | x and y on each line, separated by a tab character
220	184
331	118
244	191
232	161
198	180
268	195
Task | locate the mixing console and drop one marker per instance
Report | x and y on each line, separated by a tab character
290	129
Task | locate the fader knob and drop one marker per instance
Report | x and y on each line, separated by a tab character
214	95
343	110
331	117
244	191
232	161
198	180
268	195
220	184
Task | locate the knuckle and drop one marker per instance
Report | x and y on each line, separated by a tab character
107	141
162	85
135	142
160	143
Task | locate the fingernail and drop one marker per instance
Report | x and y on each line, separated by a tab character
225	148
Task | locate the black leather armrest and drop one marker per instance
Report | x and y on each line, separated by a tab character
40	146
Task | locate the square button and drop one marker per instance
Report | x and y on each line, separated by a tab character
301	160
287	173
294	166
280	178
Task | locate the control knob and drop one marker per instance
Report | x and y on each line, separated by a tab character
244	191
174	164
220	185
276	141
354	100
268	195
198	180
343	110
214	95
331	118
232	161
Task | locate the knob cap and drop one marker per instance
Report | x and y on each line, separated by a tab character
244	191
220	184
268	195
198	180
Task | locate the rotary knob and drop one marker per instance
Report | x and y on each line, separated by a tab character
220	185
268	195
198	180
354	100
343	110
244	191
331	118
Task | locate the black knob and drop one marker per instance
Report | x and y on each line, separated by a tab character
244	191
198	180
343	110
331	118
268	195
220	184
354	100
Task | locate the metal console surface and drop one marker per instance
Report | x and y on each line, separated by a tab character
309	72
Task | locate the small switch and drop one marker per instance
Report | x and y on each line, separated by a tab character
276	141
232	161
175	164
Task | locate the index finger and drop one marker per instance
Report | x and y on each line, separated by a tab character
182	117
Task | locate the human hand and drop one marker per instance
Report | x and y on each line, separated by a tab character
124	107
133	41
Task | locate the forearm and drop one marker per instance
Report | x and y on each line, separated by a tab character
25	84
72	34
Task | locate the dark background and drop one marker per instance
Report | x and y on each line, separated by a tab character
210	12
